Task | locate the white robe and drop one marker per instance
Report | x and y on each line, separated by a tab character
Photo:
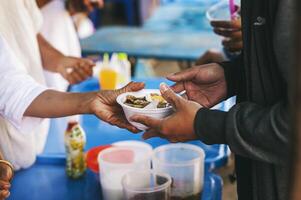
59	30
20	22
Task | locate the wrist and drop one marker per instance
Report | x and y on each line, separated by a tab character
85	104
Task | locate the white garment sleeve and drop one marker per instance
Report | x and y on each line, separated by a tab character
17	89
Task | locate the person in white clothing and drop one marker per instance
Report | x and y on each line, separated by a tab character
59	30
21	21
24	102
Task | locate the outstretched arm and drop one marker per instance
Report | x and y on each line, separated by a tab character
72	69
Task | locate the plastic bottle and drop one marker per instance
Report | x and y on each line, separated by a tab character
107	75
125	70
75	141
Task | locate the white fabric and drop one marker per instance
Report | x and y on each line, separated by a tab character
20	22
58	29
17	91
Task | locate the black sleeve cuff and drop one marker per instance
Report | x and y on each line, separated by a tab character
209	126
233	74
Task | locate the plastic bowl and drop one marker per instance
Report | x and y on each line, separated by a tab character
129	111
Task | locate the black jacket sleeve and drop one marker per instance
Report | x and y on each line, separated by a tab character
250	130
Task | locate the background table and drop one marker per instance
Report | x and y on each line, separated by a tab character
47	180
143	43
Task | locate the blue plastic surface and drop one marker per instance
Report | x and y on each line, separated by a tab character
188	16
47	180
143	43
101	133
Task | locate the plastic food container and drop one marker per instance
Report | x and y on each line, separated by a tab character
146	185
185	164
220	11
129	111
134	143
115	162
92	155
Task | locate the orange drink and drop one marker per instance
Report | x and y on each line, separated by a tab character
108	79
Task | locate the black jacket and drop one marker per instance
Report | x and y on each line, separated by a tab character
257	128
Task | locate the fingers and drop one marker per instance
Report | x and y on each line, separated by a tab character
4	194
210	56
147	121
170	96
150	134
233	24
131	87
185	75
4	185
229	33
232	45
124	125
178	87
4	189
134	86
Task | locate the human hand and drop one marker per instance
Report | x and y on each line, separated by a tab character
210	56
105	106
75	70
178	127
205	84
232	33
6	174
91	4
86	6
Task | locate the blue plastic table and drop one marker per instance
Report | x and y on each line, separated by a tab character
101	133
46	180
143	43
186	16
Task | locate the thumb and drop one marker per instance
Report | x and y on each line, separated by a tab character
185	75
132	87
170	96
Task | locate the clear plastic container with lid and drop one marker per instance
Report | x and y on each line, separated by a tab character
185	164
115	162
144	185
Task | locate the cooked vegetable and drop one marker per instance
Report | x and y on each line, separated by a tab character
136	102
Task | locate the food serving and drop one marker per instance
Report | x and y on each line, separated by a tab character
147	102
142	102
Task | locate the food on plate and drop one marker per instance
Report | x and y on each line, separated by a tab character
142	102
136	102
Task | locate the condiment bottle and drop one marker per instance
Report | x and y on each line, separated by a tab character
125	70
108	75
75	141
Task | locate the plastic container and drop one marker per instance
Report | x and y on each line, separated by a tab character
108	75
134	143
115	162
124	76
185	164
129	111
221	11
146	185
91	157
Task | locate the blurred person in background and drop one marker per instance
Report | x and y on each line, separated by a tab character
59	30
232	42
